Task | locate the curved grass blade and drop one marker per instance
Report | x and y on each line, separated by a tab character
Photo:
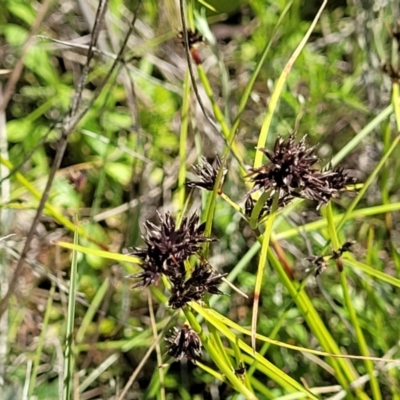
48	208
372	271
362	344
229	323
261	266
367	184
274	372
219	360
262	139
100	253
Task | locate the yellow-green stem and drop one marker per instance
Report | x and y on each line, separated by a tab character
396	104
215	356
349	305
183	140
262	139
261	266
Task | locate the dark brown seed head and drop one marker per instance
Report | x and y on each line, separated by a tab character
287	166
291	170
207	173
168	246
203	279
185	342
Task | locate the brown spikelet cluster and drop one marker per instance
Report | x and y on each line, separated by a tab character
291	170
207	173
168	246
320	262
203	279
184	342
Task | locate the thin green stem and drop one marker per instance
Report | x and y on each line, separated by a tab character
69	340
183	140
396	104
316	325
261	267
262	139
216	357
367	184
255	214
362	344
41	340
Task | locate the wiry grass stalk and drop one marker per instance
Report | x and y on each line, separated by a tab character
69	350
362	344
261	266
40	344
212	350
344	374
247	91
91	312
274	373
368	182
183	140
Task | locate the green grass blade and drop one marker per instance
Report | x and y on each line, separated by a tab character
262	139
183	140
322	223
371	271
367	184
94	306
217	358
274	372
100	253
352	144
229	323
362	344
344	374
39	349
48	208
261	266
69	339
396	104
